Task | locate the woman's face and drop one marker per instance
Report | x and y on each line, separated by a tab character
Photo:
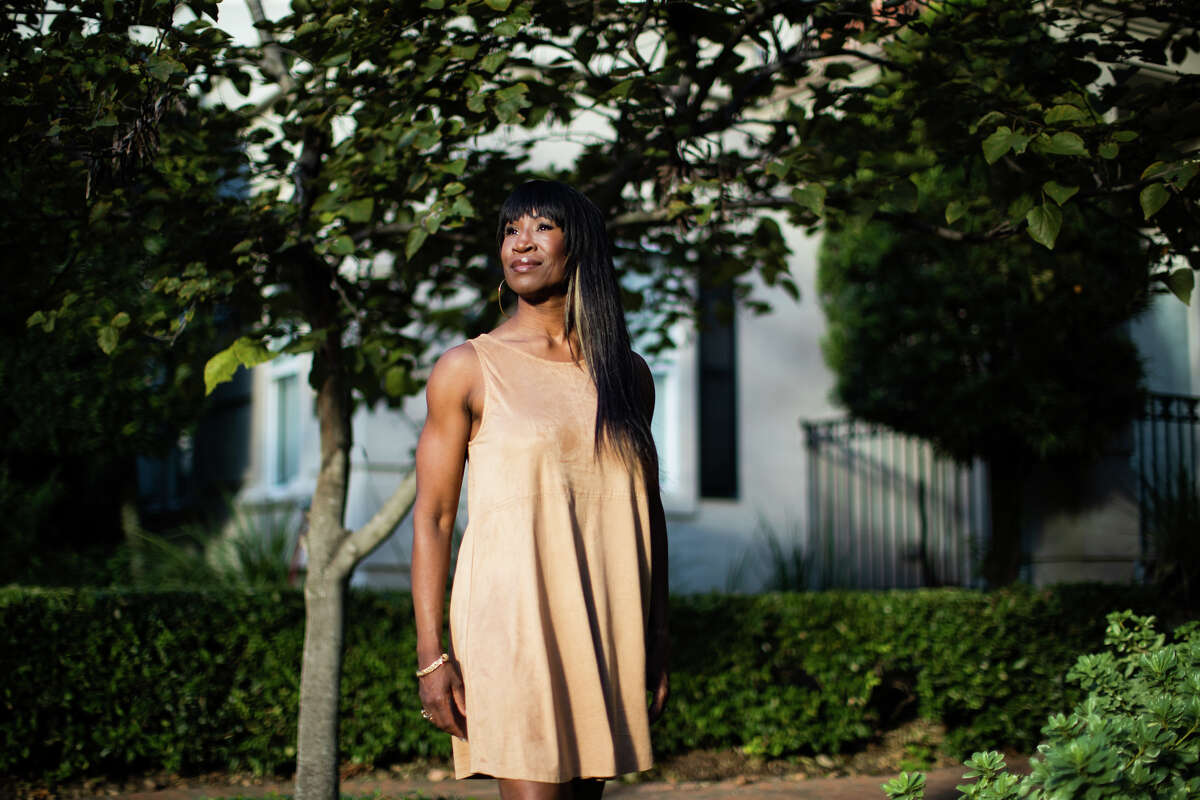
533	254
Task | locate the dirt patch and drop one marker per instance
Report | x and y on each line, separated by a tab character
917	745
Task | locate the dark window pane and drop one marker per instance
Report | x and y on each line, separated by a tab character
718	395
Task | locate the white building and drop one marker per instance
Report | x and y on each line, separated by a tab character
756	484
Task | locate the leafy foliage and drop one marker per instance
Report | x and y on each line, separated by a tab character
117	682
839	111
106	157
1134	735
987	350
1044	113
1001	350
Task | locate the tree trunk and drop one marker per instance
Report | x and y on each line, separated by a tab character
333	553
1006	485
325	587
317	754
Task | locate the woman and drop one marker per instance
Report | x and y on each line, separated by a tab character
558	613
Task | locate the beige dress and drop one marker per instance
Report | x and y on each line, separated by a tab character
552	586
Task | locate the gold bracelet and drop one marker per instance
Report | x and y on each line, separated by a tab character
442	659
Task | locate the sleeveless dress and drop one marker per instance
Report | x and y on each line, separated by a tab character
551	590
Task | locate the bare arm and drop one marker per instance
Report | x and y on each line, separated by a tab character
658	638
454	397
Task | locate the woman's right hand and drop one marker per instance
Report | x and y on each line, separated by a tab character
443	697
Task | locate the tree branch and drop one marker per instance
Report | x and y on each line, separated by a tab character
362	541
1002	230
272	60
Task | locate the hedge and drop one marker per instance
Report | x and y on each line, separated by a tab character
115	683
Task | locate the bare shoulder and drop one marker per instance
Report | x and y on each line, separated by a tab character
455	375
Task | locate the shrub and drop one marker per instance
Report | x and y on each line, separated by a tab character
119	682
1137	733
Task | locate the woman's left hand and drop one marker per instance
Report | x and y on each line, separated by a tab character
657	679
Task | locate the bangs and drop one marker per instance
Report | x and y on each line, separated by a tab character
536	198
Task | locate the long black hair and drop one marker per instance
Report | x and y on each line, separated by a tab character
593	314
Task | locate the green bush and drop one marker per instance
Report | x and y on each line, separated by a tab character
1137	733
108	682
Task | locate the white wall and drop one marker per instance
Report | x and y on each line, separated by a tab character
781	381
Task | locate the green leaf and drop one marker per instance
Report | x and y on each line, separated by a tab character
1045	221
396	382
811	197
1124	136
1108	150
1019	207
1155	169
416	238
493	61
120	320
453	188
1066	143
622	89
462	207
1153	198
986	119
162	67
1065	113
245	352
1184	173
1060	193
1181	282
342	246
251	353
360	210
107	339
498	5
954	211
219	369
998	144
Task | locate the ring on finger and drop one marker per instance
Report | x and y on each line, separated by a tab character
425	713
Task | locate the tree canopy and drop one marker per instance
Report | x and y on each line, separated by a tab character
104	155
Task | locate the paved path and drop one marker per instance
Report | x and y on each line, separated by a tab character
940	786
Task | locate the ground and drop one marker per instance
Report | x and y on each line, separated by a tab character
914	746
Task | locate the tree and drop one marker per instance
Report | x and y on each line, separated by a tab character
1056	112
99	137
1002	351
1034	369
836	110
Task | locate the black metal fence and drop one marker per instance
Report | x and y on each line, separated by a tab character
1167	462
886	511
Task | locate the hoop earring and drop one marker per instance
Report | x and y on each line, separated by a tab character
500	298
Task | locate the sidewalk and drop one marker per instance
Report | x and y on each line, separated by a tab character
940	785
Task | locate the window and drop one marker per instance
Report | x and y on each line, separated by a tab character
718	394
287	439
